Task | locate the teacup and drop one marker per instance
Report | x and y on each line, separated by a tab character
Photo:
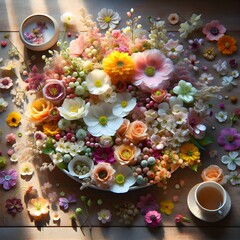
210	197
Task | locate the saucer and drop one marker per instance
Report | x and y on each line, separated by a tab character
192	205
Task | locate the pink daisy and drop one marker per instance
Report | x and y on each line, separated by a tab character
152	70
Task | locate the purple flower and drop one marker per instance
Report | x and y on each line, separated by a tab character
230	139
153	218
8	179
147	203
104	155
64	202
14	206
195	44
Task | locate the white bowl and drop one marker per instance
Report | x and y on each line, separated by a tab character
46	36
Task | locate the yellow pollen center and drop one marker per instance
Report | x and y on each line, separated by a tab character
98	83
227	44
120	179
107	19
103	120
53	91
124	103
74	108
126	153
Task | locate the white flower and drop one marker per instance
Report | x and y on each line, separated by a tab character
67	146
221	116
60	145
109	96
235	73
97	82
101	121
123	179
221	67
56	158
228	82
125	103
185	91
205	78
173	48
73	109
3	105
67	18
104	215
108	18
232	160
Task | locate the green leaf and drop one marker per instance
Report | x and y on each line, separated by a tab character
62	165
206	140
49	147
194	167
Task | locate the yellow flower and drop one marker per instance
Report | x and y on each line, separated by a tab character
189	153
38	207
119	66
167	206
51	128
13	119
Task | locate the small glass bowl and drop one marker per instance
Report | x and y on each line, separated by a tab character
39	32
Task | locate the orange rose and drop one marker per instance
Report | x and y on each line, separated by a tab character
39	109
137	131
213	173
123	128
103	174
126	154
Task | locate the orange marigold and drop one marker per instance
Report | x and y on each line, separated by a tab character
227	45
51	128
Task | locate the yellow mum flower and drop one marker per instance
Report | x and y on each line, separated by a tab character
167	206
189	152
13	119
119	66
51	128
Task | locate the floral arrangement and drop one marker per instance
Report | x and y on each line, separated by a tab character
119	109
123	108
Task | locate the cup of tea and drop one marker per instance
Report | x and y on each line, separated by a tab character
210	197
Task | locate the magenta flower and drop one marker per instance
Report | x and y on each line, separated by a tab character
104	155
153	218
8	179
230	139
214	30
152	70
14	206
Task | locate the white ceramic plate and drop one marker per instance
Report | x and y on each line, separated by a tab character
192	205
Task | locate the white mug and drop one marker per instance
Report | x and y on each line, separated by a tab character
210	197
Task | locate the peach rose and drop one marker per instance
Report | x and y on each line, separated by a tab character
159	95
137	131
38	110
126	154
103	174
123	128
213	173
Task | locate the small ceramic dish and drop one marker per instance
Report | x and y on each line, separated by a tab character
39	32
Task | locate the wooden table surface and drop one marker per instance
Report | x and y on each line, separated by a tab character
12	13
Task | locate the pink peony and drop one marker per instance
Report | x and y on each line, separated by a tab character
77	46
214	30
152	70
54	90
153	218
